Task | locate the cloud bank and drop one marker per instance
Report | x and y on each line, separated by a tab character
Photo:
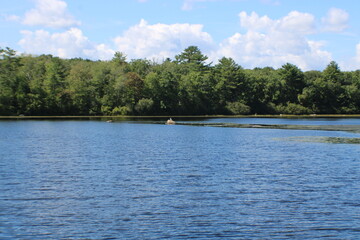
261	41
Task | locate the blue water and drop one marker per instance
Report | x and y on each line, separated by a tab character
125	180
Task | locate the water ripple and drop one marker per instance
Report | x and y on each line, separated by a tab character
90	180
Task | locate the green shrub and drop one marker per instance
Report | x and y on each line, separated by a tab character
238	108
289	108
124	110
106	110
144	106
296	109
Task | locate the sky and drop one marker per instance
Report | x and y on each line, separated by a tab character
255	33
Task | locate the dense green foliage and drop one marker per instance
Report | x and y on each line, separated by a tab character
47	85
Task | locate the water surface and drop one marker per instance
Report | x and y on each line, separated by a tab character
125	180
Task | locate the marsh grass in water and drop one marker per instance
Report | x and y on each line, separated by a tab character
346	128
333	140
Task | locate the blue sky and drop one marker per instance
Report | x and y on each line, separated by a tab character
255	33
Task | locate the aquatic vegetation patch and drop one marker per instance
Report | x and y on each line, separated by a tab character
346	128
333	140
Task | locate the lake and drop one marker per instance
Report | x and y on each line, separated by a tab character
88	179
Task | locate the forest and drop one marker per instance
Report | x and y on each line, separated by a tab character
187	85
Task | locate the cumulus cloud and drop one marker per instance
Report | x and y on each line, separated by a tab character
269	42
69	44
352	63
160	41
303	23
336	20
355	62
358	53
49	13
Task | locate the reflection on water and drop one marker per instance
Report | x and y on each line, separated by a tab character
95	180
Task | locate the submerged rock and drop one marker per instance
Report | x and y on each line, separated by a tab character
170	122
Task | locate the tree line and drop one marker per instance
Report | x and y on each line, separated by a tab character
186	85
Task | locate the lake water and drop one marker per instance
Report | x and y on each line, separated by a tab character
130	180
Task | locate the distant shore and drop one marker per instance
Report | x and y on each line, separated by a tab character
189	121
188	116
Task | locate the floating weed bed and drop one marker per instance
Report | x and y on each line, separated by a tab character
347	128
333	140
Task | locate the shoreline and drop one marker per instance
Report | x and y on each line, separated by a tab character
188	116
186	120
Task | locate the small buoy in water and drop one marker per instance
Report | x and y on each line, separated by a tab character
170	122
109	121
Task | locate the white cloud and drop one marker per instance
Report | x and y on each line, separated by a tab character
189	4
295	21
302	23
160	41
352	63
255	22
49	13
69	44
336	20
12	18
269	42
358	54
